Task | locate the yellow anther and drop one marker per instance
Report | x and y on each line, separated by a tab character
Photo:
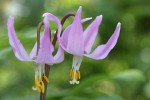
46	79
37	85
71	73
78	74
39	90
42	86
36	82
40	79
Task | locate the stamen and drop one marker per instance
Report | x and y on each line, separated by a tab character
79	74
75	75
39	90
37	85
42	87
39	74
46	79
71	73
37	82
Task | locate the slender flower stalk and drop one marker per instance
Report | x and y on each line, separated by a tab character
79	42
47	67
45	51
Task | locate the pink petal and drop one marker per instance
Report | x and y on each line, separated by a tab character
34	50
65	34
64	38
75	36
46	47
17	47
59	57
103	50
56	20
86	19
90	34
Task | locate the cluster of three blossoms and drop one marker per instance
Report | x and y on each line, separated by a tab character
73	40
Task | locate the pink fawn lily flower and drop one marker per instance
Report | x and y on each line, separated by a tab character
44	55
79	43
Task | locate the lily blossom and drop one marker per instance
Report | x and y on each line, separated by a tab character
79	42
44	55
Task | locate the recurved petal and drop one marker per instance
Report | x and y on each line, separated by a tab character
103	50
52	17
86	19
75	36
59	57
90	34
17	47
46	47
34	50
65	34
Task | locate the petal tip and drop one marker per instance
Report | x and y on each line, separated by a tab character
99	17
80	9
45	14
89	18
119	24
10	17
10	21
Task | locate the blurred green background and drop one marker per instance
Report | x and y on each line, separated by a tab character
123	75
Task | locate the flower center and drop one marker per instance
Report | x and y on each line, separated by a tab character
39	74
39	84
74	72
75	75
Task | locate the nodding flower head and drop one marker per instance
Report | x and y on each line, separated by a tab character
79	42
45	50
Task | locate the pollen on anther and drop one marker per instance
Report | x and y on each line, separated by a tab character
79	74
42	86
71	73
46	79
